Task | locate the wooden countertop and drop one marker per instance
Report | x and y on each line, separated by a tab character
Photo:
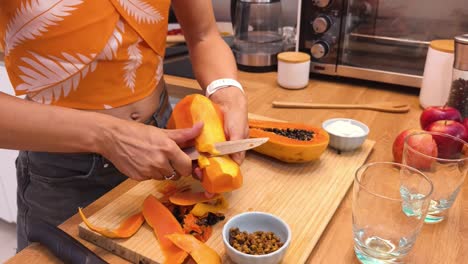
446	242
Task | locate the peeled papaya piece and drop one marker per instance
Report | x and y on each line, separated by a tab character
289	142
220	174
163	223
199	251
128	227
190	198
198	108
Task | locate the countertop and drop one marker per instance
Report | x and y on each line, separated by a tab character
446	242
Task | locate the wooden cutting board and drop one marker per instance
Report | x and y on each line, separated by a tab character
304	195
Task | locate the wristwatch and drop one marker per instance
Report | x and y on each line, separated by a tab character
220	84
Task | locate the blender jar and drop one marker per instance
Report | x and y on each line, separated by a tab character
258	34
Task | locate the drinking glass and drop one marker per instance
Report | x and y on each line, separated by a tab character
443	158
383	194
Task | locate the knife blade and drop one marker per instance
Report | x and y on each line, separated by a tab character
228	147
62	245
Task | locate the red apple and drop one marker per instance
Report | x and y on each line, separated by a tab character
434	113
448	147
399	142
419	150
465	123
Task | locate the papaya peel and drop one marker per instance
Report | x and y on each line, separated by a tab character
199	251
191	198
128	227
202	209
163	223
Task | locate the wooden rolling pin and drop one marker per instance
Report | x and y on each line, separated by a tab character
391	107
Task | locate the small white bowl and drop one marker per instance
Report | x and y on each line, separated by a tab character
257	221
343	141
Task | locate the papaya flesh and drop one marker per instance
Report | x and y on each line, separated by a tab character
289	142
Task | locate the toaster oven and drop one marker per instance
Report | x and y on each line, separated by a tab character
377	40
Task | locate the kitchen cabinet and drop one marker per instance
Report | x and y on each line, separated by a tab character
7	165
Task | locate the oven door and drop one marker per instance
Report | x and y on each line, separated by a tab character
387	40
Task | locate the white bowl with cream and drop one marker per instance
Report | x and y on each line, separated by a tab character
345	134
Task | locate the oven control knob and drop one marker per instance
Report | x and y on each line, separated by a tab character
321	24
319	49
321	3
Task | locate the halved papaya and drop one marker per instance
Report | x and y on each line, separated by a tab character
289	142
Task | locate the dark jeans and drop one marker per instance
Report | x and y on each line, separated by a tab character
52	186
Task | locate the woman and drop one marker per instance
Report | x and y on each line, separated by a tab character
96	101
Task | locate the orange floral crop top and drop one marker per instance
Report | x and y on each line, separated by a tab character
84	54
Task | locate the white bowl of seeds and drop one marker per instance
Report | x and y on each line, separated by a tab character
257	238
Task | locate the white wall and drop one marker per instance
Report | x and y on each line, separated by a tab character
7	165
289	11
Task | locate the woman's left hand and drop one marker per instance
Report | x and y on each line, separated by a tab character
233	103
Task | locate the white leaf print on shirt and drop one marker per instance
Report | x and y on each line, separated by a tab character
49	78
114	42
34	17
141	11
135	59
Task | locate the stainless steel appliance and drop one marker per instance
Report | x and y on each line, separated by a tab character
378	40
257	33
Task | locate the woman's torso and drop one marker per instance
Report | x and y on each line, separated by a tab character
102	55
141	110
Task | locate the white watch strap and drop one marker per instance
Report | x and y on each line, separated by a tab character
220	84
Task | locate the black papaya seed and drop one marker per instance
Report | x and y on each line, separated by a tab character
293	133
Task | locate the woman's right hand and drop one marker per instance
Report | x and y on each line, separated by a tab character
145	152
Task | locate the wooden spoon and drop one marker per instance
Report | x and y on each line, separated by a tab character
391	107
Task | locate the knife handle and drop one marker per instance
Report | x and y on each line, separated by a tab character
62	245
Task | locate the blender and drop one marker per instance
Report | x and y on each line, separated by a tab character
258	34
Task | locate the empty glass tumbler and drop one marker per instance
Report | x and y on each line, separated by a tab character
444	159
390	201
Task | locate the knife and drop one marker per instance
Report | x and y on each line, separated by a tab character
62	245
228	147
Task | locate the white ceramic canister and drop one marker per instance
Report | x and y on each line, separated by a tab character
293	69
437	75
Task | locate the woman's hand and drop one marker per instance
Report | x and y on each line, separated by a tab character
145	152
233	103
212	59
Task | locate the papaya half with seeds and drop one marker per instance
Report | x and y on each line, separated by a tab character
289	142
